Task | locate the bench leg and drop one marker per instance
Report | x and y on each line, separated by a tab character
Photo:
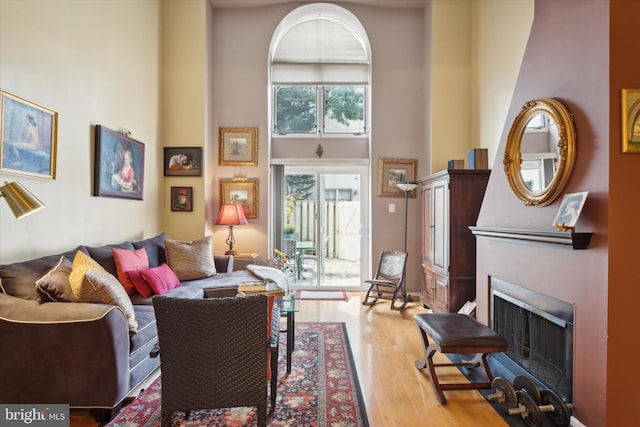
421	364
427	361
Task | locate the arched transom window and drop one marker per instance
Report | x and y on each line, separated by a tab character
320	58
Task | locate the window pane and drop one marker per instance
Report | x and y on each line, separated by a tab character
344	109
295	109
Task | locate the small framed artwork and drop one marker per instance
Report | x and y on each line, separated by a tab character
28	137
182	199
238	147
570	210
469	308
118	165
182	161
630	120
392	171
243	191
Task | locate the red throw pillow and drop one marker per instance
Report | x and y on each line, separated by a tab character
127	260
139	283
160	279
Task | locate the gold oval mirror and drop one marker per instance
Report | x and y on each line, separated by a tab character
540	151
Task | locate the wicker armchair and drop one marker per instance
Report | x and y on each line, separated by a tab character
213	351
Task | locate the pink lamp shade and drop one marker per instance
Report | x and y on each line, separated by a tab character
231	214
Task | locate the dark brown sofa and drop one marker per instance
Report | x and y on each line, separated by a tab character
82	354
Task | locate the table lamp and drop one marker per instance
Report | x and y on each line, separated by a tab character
231	214
20	200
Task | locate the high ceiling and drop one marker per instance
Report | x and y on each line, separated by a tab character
259	3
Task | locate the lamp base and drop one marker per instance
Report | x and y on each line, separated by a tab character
231	252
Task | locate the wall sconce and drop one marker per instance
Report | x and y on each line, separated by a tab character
231	214
20	200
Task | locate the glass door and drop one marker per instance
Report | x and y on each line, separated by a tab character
323	219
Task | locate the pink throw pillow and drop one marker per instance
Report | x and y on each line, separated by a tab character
160	279
139	283
128	260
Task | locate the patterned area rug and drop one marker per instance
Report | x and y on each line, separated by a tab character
322	389
322	295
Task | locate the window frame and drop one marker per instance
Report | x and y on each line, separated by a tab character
320	113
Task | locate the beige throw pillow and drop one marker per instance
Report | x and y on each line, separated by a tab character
92	283
191	260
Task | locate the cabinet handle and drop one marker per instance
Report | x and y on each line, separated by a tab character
433	288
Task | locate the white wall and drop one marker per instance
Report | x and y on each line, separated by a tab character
451	82
477	48
500	30
183	108
94	62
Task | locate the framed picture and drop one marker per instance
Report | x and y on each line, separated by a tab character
182	161
569	211
469	308
238	147
28	137
392	171
243	191
119	165
630	120
182	199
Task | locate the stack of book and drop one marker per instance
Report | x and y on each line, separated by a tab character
253	288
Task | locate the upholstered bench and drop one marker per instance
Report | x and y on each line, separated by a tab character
456	333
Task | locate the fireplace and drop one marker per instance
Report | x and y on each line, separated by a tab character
539	332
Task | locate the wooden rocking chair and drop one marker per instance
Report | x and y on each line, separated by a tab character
388	282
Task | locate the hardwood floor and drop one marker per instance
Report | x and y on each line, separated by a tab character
385	345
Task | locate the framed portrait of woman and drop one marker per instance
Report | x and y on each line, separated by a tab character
28	137
118	165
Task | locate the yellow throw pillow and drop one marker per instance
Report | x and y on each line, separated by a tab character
191	260
92	283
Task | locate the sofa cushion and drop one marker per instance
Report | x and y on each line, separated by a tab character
160	279
127	260
92	283
54	286
103	255
19	278
147	333
155	249
191	292
191	260
141	285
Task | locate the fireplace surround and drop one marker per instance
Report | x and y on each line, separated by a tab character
539	330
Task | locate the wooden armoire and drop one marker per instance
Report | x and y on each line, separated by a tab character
451	201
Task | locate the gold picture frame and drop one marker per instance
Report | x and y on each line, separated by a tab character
28	137
391	171
243	191
630	120
238	146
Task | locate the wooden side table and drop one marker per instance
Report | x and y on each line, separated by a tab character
240	261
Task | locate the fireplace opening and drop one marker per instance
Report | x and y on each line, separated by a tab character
539	332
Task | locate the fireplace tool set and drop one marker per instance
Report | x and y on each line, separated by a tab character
525	398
